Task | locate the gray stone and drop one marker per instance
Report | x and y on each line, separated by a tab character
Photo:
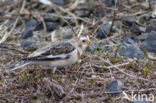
115	85
129	49
139	101
30	25
50	18
49	25
82	13
92	47
151	26
142	37
128	20
103	31
58	2
137	29
144	18
111	2
27	33
67	37
150	42
10	22
30	45
83	7
130	36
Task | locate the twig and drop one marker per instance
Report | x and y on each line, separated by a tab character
122	70
71	14
81	29
149	56
40	18
6	35
23	6
117	65
13	49
76	82
55	8
106	68
69	25
100	94
30	8
149	4
111	28
73	86
55	86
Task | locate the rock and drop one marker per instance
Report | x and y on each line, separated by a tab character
1	14
27	33
130	36
144	18
49	10
100	12
142	37
115	85
128	20
150	42
67	37
49	25
10	22
139	101
82	13
117	24
30	25
151	26
58	2
129	49
83	7
103	31
111	2
92	47
30	45
137	29
50	18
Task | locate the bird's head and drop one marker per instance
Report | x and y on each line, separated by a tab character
81	42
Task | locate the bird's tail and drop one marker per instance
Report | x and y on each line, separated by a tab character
22	64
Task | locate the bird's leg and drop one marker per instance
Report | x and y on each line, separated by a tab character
79	61
54	69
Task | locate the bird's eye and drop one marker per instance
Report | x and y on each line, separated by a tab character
83	41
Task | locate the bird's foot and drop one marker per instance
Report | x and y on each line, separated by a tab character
54	69
79	61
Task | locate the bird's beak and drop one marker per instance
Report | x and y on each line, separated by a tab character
89	42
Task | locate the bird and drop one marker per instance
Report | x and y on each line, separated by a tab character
57	54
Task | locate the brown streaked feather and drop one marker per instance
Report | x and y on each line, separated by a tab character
60	48
55	49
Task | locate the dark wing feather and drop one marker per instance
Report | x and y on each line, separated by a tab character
55	49
60	48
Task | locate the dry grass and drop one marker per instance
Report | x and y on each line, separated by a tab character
84	82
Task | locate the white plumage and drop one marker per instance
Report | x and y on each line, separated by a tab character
57	54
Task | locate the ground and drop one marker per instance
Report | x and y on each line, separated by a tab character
85	82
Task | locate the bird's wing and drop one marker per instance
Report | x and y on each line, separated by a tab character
56	51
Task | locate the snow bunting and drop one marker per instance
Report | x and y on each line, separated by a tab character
57	54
